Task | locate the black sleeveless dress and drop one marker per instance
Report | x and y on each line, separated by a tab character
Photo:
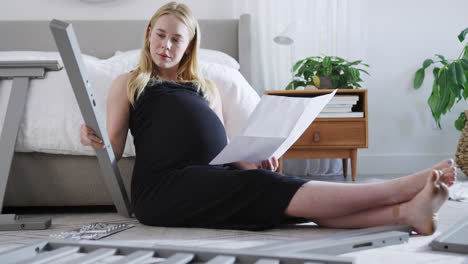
176	135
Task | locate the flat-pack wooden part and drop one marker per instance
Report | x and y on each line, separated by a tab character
69	49
20	72
64	251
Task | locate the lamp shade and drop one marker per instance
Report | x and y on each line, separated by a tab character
287	36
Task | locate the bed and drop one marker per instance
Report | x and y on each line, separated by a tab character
70	176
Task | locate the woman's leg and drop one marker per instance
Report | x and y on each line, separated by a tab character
327	200
420	212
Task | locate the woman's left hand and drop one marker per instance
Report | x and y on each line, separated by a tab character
268	164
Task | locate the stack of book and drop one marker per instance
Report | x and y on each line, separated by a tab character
341	106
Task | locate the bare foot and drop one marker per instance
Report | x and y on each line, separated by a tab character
421	211
448	163
448	176
448	170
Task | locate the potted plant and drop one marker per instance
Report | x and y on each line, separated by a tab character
328	72
450	83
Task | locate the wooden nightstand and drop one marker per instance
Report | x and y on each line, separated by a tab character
331	137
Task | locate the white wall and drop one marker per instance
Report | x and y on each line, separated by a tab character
401	35
118	9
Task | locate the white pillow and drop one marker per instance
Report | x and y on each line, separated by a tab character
205	55
216	56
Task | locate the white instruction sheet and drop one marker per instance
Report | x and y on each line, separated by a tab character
272	128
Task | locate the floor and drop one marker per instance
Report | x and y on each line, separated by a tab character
66	219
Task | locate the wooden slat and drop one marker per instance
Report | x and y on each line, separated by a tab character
222	260
267	261
136	257
51	255
178	258
94	256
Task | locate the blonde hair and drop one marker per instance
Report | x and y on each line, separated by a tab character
188	70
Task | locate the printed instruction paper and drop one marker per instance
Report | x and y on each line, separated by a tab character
272	128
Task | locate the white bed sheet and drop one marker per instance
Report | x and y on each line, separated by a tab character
52	118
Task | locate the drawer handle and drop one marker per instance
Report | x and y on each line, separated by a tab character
317	136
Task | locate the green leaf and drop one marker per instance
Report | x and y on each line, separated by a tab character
444	93
450	96
326	61
354	63
306	72
301	71
465	91
464	63
465	55
294	84
462	35
327	66
443	60
427	63
418	78
363	71
460	122
442	78
339	60
432	102
460	74
452	76
354	74
435	72
299	63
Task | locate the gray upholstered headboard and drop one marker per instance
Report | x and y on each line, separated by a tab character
101	38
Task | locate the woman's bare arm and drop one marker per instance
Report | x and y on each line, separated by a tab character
118	114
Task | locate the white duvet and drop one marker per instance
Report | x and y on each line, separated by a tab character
52	118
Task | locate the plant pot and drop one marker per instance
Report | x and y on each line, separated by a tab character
325	82
462	149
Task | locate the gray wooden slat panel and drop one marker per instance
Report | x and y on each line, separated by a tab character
267	261
22	72
51	65
345	245
206	254
51	255
19	254
222	260
69	49
136	257
93	256
303	244
178	258
12	121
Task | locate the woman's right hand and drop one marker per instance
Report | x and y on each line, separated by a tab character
89	138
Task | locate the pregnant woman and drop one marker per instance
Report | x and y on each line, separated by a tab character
175	117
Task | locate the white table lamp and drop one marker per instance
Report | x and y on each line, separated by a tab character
287	38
